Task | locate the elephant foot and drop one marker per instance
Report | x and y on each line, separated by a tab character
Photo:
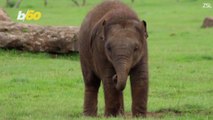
113	112
139	113
90	113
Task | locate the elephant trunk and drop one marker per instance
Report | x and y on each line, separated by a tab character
121	76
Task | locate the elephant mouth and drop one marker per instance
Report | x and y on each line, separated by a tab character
115	79
118	84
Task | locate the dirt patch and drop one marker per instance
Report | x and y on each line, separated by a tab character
168	111
163	112
157	114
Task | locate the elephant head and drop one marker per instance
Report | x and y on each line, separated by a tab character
123	46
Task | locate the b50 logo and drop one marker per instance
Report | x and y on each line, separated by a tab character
30	15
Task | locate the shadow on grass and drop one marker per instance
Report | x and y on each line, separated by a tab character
161	113
70	56
164	112
18	53
175	112
20	80
194	58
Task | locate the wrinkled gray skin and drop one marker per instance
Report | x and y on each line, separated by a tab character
112	46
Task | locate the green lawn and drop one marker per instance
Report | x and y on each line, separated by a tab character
49	87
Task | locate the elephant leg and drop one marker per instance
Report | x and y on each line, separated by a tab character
113	100
139	98
139	89
121	110
92	84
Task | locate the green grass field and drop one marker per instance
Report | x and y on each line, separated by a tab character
46	87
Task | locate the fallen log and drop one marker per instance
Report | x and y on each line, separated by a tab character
4	16
36	38
207	22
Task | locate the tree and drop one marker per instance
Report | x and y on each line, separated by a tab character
76	2
14	4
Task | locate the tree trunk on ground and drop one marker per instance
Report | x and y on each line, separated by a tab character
35	38
207	22
4	16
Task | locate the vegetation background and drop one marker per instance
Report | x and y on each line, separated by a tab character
50	87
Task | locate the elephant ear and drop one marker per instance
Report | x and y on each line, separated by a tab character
97	32
145	28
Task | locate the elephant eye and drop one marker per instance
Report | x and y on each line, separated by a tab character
101	37
108	47
136	48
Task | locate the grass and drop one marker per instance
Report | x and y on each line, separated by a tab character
48	87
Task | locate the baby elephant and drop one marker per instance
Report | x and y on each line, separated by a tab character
113	46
